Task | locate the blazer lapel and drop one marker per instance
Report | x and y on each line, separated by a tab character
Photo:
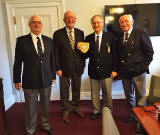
31	44
103	44
131	38
66	38
93	42
45	45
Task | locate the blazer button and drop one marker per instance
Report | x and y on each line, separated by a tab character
98	67
122	61
129	54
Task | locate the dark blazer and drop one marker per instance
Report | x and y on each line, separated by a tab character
103	62
136	55
67	60
35	74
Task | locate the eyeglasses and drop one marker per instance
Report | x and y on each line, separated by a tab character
94	23
36	22
67	18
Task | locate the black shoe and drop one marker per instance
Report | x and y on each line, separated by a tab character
48	131
94	116
128	119
79	113
65	117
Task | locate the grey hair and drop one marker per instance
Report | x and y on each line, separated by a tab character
97	16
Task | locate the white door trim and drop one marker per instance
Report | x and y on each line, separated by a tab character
8	9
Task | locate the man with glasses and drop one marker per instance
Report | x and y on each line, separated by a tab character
69	64
102	66
35	52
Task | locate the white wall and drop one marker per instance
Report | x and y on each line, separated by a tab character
4	66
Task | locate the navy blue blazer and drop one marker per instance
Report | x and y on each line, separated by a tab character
34	73
103	62
135	55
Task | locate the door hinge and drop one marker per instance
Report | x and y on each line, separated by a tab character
14	20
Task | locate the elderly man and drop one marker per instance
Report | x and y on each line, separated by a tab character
69	64
35	52
135	55
102	66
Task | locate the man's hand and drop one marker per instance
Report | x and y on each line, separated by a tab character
79	47
113	74
59	73
18	86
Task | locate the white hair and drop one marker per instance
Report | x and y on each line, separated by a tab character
33	16
128	15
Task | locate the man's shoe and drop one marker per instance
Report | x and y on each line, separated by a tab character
94	116
65	117
79	113
128	119
27	133
48	131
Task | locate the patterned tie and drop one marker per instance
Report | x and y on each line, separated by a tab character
39	48
126	37
71	40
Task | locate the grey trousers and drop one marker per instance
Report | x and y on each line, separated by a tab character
96	85
134	89
31	106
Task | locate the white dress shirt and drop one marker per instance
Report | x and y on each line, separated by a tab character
34	39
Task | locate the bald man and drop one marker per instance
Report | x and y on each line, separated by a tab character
135	55
35	52
69	64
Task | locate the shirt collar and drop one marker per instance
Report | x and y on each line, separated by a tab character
35	36
68	30
100	34
129	32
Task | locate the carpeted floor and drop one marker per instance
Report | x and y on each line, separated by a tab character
77	126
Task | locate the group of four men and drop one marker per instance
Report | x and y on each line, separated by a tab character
128	56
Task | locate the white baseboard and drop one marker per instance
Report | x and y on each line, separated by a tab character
116	94
9	102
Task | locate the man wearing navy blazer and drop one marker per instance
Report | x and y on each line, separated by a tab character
135	55
102	65
35	52
69	64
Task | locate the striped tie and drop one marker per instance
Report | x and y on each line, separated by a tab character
39	48
71	40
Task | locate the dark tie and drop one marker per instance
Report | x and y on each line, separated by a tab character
71	40
39	48
97	42
126	37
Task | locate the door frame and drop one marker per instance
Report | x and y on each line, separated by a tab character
8	6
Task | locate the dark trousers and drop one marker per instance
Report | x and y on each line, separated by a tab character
31	105
65	82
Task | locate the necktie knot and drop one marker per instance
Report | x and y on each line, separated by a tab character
70	32
97	40
126	36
